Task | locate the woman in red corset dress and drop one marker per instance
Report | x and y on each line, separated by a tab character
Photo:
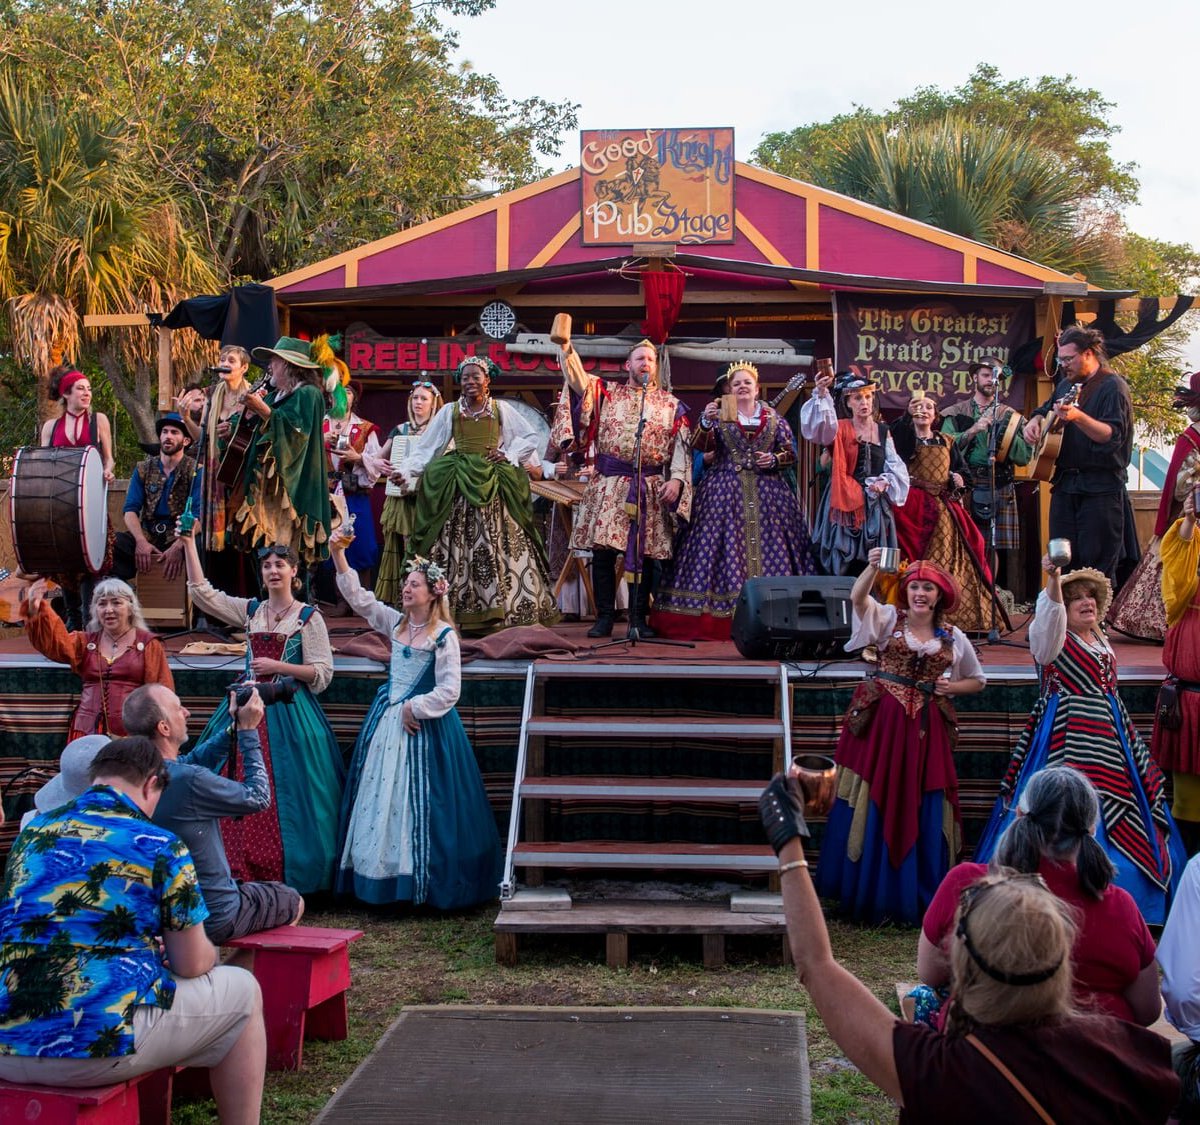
295	840
114	655
895	827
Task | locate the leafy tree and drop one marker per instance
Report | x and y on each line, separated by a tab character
975	180
85	227
1055	113
293	130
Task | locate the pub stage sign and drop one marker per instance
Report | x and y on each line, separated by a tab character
929	344
671	186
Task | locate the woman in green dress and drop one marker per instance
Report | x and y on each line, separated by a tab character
474	516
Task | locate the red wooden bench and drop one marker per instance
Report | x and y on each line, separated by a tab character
304	972
145	1099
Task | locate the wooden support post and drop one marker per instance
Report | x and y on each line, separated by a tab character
506	949
713	950
166	377
616	950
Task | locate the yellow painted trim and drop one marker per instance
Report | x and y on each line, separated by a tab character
411	234
970	269
900	223
502	235
115	320
352	274
812	234
759	241
569	228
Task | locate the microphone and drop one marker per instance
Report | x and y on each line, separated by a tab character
645	379
220	370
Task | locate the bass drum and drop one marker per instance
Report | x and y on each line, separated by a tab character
536	420
58	509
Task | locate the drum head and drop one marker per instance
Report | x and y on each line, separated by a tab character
93	510
536	419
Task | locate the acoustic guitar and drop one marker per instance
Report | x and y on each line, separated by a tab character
1041	465
233	464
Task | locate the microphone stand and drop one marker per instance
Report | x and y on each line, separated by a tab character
634	635
993	636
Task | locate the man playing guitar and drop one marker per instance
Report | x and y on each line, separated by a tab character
1089	504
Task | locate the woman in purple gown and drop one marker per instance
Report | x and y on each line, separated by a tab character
746	520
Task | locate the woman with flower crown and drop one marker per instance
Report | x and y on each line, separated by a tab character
416	825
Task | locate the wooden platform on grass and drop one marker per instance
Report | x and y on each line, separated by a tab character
516	1065
617	919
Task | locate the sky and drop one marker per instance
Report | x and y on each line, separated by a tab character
765	66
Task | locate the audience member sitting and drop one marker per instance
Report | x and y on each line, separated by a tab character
1179	957
72	779
86	997
1014	1040
199	797
1052	835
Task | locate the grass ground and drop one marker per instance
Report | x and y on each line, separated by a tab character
419	958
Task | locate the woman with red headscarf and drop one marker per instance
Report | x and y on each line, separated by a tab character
895	827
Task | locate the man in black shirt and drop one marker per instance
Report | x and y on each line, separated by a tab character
1089	504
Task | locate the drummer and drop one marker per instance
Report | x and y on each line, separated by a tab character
75	428
971	423
159	490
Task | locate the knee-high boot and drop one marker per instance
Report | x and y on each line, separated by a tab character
640	613
604	585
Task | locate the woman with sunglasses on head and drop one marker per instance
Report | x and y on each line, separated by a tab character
1054	836
1080	721
295	840
116	653
400	507
1016	1048
416	825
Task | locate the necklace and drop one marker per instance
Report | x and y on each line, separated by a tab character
280	615
485	408
116	645
413	630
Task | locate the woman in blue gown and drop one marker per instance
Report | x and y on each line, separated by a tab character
1080	721
416	825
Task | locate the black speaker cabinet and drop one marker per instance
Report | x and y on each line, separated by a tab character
798	617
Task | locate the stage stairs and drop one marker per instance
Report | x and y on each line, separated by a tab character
532	907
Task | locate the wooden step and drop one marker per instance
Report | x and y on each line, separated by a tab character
618	919
643	789
634	853
598	726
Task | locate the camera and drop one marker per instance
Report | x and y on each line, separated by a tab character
282	690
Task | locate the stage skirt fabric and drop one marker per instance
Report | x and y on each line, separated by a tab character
879	865
1138	610
1089	729
746	523
416	823
295	840
396	524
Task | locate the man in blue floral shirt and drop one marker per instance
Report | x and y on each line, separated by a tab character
86	997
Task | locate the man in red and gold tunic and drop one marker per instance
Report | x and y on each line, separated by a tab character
624	509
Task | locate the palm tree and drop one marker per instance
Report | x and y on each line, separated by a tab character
978	181
86	228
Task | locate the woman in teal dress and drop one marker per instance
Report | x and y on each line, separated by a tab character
416	825
294	841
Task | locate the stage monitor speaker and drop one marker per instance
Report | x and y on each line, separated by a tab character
797	617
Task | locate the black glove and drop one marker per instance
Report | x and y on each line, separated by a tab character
781	808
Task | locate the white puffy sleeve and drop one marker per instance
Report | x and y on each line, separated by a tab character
1048	633
818	419
878	621
517	436
895	472
213	601
432	444
966	659
447	671
382	618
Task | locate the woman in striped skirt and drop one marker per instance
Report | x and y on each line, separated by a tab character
1080	721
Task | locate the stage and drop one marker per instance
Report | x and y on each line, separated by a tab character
37	698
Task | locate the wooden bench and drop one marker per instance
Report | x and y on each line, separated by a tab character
145	1099
304	972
